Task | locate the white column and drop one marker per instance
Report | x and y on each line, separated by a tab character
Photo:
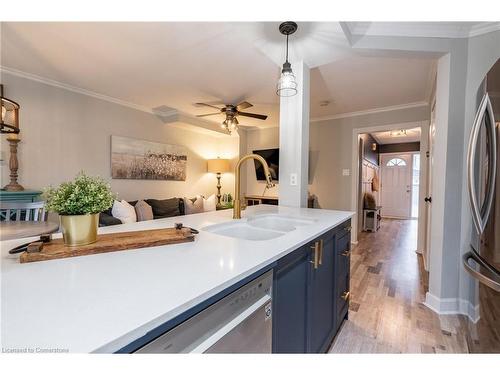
294	141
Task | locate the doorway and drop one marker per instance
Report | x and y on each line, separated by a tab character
405	138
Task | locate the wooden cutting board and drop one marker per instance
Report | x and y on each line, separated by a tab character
110	242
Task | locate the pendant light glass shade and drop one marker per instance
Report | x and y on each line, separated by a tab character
287	84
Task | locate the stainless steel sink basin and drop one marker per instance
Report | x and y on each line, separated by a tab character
258	227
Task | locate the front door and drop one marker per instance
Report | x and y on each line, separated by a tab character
396	185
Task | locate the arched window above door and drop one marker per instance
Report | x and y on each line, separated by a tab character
396	162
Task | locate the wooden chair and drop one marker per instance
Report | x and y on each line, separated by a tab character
19	211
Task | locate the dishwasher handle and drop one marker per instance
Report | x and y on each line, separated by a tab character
265	301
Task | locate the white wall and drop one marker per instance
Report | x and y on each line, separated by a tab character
64	132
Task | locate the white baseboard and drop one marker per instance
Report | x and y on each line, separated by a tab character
354	242
447	306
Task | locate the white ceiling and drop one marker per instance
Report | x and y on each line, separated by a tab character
175	65
394	136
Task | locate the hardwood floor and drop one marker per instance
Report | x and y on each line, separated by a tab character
386	313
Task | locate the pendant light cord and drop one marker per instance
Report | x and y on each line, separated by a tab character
286	48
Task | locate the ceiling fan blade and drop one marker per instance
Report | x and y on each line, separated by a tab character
243	105
208	114
209	105
254	115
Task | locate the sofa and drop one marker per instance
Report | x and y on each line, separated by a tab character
162	208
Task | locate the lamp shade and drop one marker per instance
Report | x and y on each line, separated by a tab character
218	165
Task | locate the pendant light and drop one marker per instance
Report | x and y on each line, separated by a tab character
287	84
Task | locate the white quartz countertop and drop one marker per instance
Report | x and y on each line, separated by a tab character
102	302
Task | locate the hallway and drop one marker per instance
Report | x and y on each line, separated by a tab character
386	313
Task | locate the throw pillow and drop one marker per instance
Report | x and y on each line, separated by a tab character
194	205
164	208
124	211
210	203
143	211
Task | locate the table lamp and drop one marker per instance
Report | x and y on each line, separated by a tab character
218	166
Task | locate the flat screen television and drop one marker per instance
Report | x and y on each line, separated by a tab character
272	157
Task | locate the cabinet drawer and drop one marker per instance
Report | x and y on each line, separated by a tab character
344	229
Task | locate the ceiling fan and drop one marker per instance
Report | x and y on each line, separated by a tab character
232	111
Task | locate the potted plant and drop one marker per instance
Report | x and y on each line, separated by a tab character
79	203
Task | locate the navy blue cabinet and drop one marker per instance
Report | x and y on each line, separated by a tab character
310	293
342	274
321	309
290	302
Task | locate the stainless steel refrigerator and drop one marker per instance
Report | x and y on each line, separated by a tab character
483	182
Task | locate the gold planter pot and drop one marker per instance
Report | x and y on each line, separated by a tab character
79	230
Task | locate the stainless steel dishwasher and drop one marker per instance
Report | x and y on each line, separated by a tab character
238	323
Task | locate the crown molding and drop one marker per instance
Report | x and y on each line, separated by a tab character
168	115
78	90
488	27
421	29
370	111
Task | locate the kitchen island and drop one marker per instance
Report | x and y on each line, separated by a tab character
106	302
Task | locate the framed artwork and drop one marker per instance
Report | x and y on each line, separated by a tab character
143	160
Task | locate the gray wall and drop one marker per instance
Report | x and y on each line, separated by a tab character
64	132
330	151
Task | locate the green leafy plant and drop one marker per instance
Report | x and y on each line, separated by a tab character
84	195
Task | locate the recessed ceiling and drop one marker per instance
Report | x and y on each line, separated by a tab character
397	136
359	83
175	65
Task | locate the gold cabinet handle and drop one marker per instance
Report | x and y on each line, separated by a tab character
345	296
348	229
346	253
316	261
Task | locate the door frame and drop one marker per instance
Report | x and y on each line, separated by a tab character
411	153
355	175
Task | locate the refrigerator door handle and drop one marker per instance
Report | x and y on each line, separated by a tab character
480	214
495	285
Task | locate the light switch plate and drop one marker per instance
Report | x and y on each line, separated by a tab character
293	179
346	172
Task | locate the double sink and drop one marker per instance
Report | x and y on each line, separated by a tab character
259	227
